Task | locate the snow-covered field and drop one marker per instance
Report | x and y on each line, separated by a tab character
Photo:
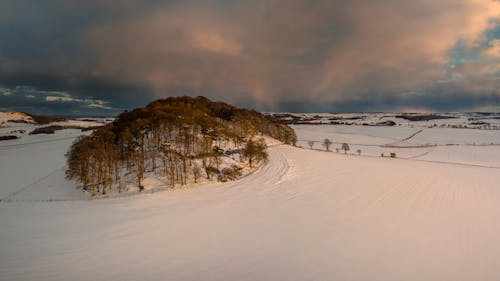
471	120
431	214
459	146
32	168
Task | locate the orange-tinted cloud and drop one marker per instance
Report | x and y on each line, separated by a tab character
266	52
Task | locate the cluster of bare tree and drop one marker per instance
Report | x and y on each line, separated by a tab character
327	143
183	138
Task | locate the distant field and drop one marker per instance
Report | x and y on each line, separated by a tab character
466	146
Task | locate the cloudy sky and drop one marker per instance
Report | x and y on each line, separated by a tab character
99	57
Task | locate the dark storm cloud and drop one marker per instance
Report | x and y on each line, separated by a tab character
40	107
437	102
41	51
288	55
33	100
119	93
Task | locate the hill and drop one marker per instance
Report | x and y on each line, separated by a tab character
15	117
176	140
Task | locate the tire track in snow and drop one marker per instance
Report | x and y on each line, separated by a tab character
26	187
273	173
284	169
421	154
21	145
385	195
405	139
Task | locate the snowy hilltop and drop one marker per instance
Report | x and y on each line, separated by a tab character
174	141
14	117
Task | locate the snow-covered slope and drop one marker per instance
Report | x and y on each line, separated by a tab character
305	215
5	117
19	126
32	168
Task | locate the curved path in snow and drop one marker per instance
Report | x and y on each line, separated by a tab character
305	215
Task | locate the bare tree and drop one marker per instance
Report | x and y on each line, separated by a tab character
196	172
310	143
358	151
327	143
255	151
345	147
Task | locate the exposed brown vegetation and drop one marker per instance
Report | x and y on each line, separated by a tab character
423	117
53	128
4	138
43	120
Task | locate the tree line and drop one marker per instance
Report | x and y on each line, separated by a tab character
182	138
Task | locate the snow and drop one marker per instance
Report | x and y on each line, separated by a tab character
468	120
79	123
32	168
22	129
17	116
305	215
463	146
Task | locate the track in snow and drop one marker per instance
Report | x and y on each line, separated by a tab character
21	145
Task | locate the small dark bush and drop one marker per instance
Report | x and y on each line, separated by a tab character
18	121
3	138
85	129
231	173
43	120
46	130
53	128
